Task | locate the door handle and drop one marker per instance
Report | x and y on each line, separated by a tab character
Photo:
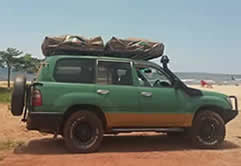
103	92
147	94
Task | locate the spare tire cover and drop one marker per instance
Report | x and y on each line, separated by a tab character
18	95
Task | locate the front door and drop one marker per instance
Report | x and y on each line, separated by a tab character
160	102
116	93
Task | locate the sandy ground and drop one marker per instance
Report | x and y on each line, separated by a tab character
127	149
12	128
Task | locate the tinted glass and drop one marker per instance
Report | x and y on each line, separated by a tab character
117	73
75	71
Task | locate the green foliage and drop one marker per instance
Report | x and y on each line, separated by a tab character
5	95
9	59
28	64
12	60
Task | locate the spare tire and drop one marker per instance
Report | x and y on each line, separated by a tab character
18	95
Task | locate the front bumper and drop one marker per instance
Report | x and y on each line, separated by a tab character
235	102
230	114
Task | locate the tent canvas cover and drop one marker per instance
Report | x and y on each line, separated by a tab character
126	48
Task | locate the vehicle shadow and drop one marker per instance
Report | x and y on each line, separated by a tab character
121	143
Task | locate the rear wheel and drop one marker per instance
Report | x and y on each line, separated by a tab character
83	132
208	130
18	95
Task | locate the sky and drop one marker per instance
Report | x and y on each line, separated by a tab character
199	36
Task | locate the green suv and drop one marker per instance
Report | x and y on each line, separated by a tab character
84	97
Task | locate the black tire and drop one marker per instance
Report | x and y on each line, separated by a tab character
208	130
89	138
18	95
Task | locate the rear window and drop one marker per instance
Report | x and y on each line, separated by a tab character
75	71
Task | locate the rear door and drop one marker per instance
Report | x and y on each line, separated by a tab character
116	93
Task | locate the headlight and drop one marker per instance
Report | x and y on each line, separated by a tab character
230	101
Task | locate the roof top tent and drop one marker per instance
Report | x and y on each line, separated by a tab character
124	48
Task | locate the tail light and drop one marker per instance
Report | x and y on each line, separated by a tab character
36	98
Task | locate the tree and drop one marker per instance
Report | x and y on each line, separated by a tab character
28	64
9	59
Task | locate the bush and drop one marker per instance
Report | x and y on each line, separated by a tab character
5	95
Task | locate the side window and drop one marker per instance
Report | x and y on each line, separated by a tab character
151	77
75	71
117	73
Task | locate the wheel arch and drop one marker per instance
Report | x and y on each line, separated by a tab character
214	108
97	110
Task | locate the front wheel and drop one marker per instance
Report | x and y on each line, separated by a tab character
83	132
208	130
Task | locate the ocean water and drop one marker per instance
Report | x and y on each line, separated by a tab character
221	79
4	75
188	78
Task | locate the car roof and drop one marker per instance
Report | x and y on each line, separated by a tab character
115	59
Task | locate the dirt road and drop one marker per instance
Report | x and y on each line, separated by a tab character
125	150
142	149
